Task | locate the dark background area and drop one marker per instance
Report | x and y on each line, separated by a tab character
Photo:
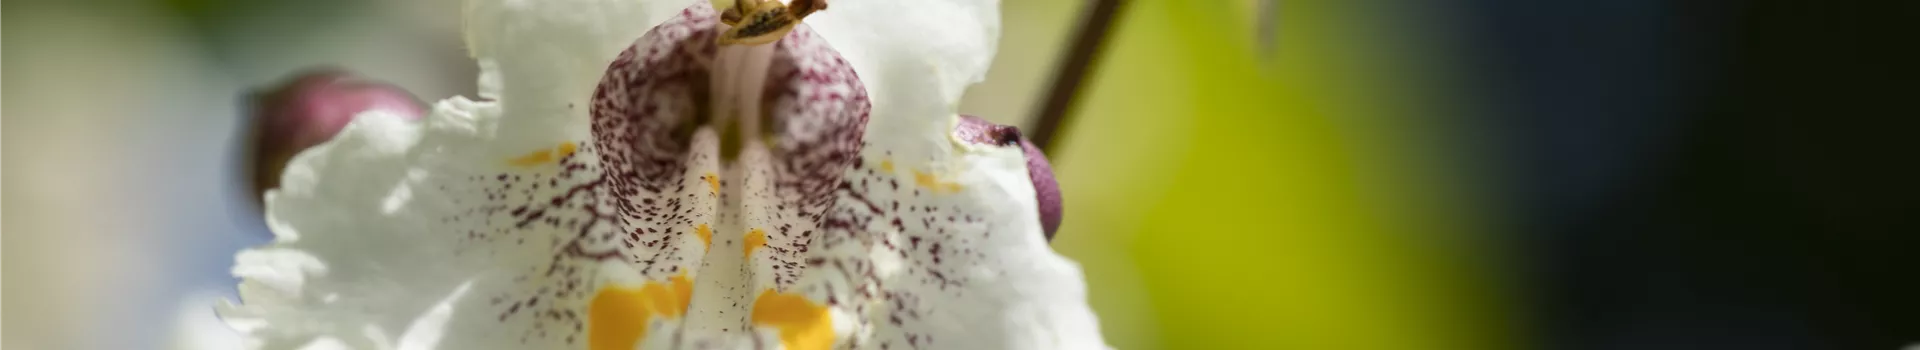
1705	175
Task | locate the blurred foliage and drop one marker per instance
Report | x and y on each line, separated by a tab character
1219	200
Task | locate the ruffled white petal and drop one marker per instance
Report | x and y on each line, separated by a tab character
390	237
916	57
947	253
943	247
547	55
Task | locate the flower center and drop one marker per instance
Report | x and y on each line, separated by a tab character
755	22
723	137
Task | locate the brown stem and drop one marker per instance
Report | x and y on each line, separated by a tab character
1095	24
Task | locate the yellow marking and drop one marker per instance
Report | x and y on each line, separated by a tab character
535	158
755	239
618	316
886	165
803	324
934	184
683	287
713	182
544	156
706	235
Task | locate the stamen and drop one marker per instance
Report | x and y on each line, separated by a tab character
754	22
731	14
740	67
739	79
802	8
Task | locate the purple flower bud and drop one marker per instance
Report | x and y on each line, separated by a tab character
1046	190
308	110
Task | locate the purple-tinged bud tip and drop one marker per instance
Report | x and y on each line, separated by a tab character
1046	190
309	109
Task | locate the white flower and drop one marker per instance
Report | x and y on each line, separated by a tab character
608	193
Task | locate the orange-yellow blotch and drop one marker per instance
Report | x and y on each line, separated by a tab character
755	239
618	316
706	235
933	183
713	182
544	156
886	165
683	287
533	159
803	324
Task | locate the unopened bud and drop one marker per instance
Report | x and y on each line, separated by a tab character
308	110
1046	190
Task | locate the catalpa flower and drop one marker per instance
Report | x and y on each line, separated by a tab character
657	175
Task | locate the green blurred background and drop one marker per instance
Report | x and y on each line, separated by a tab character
1223	197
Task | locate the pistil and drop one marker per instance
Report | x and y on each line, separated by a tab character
749	29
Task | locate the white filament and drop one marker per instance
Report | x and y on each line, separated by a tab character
739	79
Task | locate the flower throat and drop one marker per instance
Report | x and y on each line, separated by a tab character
738	81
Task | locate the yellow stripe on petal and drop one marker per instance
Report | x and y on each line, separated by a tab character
803	324
755	239
682	287
933	183
706	235
544	156
619	315
713	182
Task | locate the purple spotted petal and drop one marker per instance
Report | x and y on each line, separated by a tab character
654	98
668	184
656	137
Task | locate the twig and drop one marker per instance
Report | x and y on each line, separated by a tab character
1095	24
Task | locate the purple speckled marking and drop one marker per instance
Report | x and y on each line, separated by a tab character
628	195
625	195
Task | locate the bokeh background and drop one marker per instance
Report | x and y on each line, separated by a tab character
1294	174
